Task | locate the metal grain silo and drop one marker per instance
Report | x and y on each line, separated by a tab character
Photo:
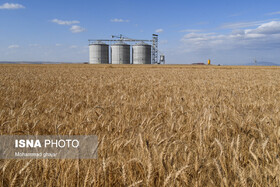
98	53
120	53
141	53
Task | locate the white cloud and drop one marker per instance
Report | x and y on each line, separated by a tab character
73	47
235	15
267	35
240	25
77	29
159	30
163	41
190	30
195	41
33	45
272	27
13	46
58	45
63	22
273	13
119	20
11	6
202	23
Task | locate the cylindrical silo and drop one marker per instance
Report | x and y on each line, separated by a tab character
98	53
141	53
120	53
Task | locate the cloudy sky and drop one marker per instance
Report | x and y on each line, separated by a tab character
226	31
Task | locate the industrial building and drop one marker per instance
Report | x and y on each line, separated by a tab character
124	51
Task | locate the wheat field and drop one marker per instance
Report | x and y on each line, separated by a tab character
156	125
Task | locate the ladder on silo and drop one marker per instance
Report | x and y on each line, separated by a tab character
155	49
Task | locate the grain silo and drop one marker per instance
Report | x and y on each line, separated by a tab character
141	53
98	53
120	53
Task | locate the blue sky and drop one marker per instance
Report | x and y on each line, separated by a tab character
227	32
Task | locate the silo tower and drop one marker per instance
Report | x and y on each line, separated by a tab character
98	53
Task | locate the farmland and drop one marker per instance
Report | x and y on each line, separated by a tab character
157	125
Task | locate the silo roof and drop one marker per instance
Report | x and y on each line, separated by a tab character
98	43
120	43
140	44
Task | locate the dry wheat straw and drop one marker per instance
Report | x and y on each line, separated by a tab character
136	183
179	112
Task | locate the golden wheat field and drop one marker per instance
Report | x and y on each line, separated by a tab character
156	125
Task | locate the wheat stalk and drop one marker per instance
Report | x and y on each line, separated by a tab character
136	183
